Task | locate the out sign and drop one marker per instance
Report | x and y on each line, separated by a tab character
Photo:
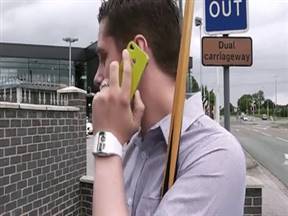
225	16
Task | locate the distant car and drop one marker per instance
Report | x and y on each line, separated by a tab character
264	117
242	115
89	127
245	118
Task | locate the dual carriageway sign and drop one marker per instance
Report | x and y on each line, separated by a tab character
225	17
227	51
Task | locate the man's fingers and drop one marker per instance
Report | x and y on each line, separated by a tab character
127	73
114	74
139	108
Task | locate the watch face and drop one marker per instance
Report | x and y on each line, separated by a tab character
101	141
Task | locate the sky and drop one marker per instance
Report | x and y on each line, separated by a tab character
48	21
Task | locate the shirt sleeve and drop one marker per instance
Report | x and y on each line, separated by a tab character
211	185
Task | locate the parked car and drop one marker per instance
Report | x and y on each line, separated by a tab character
89	127
264	117
245	118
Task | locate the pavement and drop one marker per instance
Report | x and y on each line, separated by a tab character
274	193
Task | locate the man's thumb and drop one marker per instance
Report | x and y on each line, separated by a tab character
139	108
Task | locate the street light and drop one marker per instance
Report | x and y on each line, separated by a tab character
181	9
198	22
70	41
275	108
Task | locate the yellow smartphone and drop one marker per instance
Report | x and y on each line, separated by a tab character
139	62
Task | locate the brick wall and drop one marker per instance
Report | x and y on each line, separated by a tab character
42	157
253	199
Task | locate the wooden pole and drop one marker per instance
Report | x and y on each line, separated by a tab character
179	98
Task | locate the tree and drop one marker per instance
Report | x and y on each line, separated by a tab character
192	84
245	103
268	106
232	110
208	98
268	103
258	99
195	86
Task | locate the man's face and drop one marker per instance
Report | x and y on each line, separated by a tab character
107	52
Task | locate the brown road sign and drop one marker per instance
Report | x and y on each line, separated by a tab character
227	51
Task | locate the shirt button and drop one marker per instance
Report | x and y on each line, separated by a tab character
143	155
129	202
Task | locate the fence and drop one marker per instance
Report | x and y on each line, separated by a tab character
22	90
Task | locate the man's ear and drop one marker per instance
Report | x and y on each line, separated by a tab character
141	41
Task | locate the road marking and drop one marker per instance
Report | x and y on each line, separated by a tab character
255	130
260	127
284	140
265	134
286	156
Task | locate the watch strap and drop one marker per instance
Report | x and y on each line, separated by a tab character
106	144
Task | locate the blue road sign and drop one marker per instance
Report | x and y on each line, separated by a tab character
226	16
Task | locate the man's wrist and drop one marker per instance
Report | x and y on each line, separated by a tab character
105	144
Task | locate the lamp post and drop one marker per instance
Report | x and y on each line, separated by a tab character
217	102
275	108
198	22
181	9
70	41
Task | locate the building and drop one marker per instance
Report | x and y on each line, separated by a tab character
34	73
49	65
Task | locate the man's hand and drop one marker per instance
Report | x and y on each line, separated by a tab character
111	106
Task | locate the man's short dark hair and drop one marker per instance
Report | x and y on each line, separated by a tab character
157	20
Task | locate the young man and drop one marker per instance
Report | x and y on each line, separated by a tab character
211	165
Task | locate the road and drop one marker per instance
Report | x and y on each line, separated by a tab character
267	142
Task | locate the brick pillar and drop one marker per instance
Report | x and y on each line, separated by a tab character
77	98
253	197
86	193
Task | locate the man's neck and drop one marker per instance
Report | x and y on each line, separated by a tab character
158	100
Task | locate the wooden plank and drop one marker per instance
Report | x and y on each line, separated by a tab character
179	98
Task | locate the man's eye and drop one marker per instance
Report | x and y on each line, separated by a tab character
102	59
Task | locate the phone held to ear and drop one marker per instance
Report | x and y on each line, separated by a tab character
139	62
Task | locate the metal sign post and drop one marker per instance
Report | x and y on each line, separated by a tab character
227	98
226	76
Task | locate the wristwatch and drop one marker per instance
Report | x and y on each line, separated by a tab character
106	144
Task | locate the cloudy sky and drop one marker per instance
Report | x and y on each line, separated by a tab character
48	21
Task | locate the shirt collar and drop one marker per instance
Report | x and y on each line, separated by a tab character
193	109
